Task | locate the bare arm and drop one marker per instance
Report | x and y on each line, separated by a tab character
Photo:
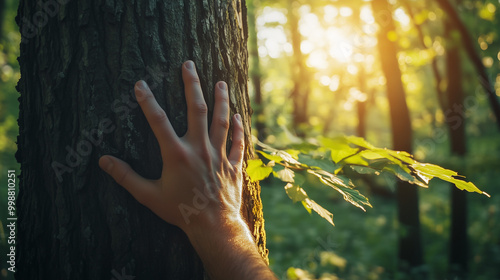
200	187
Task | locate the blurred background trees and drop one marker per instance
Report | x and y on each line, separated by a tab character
351	67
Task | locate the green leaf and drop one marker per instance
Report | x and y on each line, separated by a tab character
270	157
284	174
431	170
325	214
402	156
293	153
403	175
355	159
344	186
342	152
339	147
296	193
370	155
320	162
257	171
364	170
299	178
275	152
359	142
304	147
308	209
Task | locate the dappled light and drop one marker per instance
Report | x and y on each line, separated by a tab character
380	117
383	73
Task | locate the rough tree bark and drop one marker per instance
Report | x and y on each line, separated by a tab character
410	246
455	119
79	61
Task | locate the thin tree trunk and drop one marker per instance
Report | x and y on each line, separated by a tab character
79	61
360	104
455	118
255	72
470	49
435	70
410	246
300	77
2	17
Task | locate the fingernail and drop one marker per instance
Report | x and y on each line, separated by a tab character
222	85
238	117
142	85
189	65
106	163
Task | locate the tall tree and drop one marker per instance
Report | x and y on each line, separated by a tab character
2	16
300	75
410	246
79	61
360	104
470	50
255	71
455	119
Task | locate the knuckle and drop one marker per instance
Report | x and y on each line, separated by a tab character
241	145
222	97
195	80
122	177
144	96
201	108
158	116
180	155
223	122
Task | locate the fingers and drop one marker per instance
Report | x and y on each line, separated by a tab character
156	116
143	190
197	108
220	119
238	145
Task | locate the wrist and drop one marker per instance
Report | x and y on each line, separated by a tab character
218	227
227	248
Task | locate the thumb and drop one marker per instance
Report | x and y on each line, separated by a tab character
143	190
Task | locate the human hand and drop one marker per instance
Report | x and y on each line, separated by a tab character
200	185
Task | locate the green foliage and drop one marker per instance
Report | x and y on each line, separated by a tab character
328	159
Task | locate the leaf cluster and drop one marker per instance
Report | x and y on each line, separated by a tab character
328	159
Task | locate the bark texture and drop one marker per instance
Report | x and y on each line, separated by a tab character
410	246
79	61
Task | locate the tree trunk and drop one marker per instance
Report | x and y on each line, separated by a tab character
255	72
410	246
455	118
361	104
470	49
434	63
2	17
79	62
300	77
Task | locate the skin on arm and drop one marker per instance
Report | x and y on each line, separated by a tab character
201	186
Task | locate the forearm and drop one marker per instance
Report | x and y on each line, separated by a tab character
228	251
